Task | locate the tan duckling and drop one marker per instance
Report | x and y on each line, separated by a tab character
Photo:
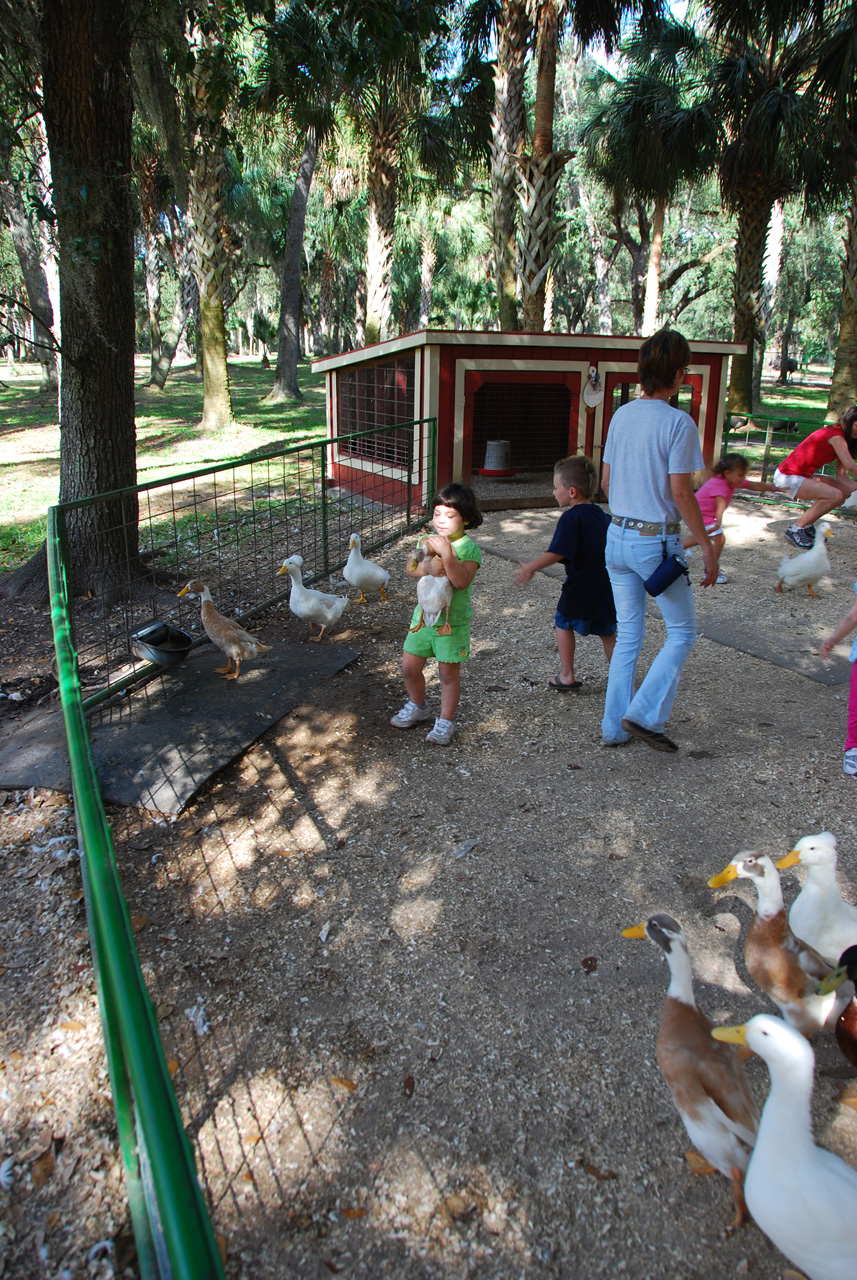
708	1085
238	645
785	967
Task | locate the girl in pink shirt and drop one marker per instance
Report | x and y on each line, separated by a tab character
729	474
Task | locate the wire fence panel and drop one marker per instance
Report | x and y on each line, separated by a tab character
232	526
766	440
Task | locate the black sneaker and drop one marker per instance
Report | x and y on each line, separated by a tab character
652	738
803	539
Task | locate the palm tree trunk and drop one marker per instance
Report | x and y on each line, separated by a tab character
540	173
843	384
289	333
600	262
382	182
152	268
35	280
507	135
427	269
753	218
653	275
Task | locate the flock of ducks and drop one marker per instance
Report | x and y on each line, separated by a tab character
802	1196
321	609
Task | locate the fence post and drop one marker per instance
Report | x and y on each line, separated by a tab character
324	541
769	431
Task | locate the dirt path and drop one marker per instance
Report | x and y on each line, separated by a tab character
430	1053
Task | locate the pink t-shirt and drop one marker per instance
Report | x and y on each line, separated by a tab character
716	487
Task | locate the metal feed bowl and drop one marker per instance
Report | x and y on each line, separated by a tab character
159	642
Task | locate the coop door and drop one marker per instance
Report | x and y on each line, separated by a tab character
537	413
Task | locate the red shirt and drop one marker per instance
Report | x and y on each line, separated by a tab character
813	452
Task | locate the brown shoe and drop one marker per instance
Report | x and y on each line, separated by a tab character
651	737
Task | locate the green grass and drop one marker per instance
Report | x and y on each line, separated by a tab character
169	439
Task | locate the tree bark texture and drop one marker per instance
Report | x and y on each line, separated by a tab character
87	111
383	193
428	264
153	267
600	262
653	275
753	217
539	175
186	303
507	137
35	280
843	385
289	333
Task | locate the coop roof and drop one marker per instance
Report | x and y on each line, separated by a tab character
479	337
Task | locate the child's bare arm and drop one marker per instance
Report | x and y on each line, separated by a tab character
460	572
839	632
759	486
529	567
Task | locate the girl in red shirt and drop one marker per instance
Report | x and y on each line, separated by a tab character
795	476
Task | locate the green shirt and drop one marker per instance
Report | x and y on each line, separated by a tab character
461	610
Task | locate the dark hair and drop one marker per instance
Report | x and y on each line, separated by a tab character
463	499
729	462
848	422
578	473
660	359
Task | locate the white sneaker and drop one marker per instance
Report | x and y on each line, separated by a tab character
442	732
410	715
720	579
849	762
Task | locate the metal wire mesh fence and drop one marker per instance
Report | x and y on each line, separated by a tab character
766	440
232	526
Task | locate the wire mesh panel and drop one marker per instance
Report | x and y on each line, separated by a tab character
232	526
766	441
533	418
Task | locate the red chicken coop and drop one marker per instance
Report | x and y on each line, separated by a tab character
507	405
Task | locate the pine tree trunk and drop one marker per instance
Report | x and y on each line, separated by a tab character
507	136
753	218
87	110
540	173
289	334
843	385
382	183
653	275
35	281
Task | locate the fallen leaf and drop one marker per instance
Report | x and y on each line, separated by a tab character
354	1213
698	1164
139	922
76	897
42	1169
71	1026
172	1066
603	1175
458	1206
284	853
332	1267
220	1241
589	963
16	1058
53	1219
408	1087
496	688
344	1083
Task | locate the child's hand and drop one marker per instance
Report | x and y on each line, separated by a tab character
825	648
523	576
439	544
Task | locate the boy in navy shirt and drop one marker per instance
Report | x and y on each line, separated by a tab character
586	603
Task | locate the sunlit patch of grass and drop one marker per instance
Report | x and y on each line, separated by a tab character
18	541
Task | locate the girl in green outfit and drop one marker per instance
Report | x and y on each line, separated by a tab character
455	511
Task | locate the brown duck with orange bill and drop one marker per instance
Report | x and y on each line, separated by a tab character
234	641
708	1086
784	966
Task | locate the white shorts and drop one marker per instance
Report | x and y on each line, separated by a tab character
713	529
787	484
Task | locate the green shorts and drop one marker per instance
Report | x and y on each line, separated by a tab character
426	643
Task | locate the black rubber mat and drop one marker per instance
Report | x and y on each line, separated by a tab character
156	748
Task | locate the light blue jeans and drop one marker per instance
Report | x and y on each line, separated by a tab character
631	556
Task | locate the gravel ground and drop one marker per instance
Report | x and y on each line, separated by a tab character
429	1052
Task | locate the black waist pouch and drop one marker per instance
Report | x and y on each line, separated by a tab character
670	568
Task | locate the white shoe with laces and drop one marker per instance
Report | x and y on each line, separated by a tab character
442	732
849	762
410	715
721	578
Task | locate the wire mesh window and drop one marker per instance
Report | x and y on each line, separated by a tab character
377	395
625	391
532	416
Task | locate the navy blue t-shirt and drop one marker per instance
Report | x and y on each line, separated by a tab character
580	538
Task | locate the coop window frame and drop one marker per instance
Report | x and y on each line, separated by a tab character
365	460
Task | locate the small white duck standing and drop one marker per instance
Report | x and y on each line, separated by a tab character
362	573
808	568
434	593
785	967
818	914
802	1196
709	1088
318	608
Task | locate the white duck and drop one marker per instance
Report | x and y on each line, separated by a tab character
808	568
818	914
362	573
709	1088
318	608
785	967
434	594
802	1196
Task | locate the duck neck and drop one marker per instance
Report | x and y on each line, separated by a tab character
205	596
770	894
821	880
787	1109
681	976
296	576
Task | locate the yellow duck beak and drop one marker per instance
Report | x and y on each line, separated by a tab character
183	592
725	876
832	982
635	931
790	860
732	1035
284	568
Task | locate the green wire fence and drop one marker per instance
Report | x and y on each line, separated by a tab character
767	439
234	524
